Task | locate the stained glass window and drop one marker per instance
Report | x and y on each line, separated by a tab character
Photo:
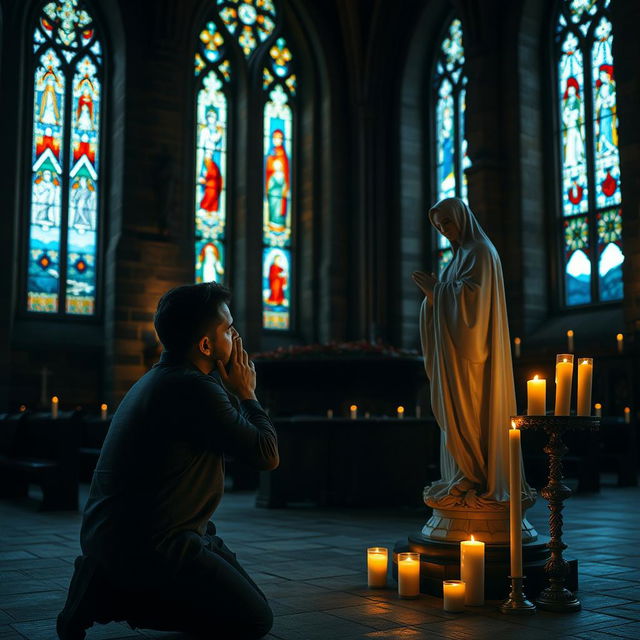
590	163
65	172
279	84
213	72
251	22
451	145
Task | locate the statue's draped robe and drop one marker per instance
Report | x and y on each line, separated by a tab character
467	356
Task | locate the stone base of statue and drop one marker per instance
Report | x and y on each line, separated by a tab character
440	560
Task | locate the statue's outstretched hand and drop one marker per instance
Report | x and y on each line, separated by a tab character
425	282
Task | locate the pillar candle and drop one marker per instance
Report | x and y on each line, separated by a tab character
564	377
454	595
103	411
570	341
408	574
54	407
536	397
472	570
400	412
418	411
585	376
627	415
620	340
329	413
517	343
353	411
515	501
598	408
377	558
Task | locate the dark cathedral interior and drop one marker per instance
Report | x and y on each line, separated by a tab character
370	268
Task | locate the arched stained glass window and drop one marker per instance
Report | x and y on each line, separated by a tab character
65	172
279	84
451	145
591	224
250	21
213	71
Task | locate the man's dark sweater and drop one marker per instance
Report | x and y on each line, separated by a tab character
160	475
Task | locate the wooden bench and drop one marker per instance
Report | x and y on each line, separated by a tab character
35	449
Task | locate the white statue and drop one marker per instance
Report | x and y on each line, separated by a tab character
467	356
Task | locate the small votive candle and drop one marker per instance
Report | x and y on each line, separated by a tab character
454	595
377	560
620	341
564	379
400	412
329	413
536	397
54	407
598	409
409	574
517	343
103	411
627	415
570	341
353	411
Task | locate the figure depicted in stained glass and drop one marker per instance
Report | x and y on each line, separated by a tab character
83	203
84	109
277	181
212	181
277	281
605	104
50	85
46	198
574	151
209	266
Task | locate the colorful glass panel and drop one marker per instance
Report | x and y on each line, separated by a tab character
251	22
589	153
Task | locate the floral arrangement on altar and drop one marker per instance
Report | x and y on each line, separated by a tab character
355	349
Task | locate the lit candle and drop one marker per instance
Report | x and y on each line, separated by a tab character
353	411
564	377
54	407
627	415
103	411
598	408
517	343
515	501
408	574
570	341
585	376
377	558
536	397
472	570
454	594
418	411
400	413
620	340
329	413
23	408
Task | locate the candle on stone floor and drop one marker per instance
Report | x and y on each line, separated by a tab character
103	411
627	415
400	412
377	559
515	501
54	407
620	340
453	592
353	411
472	570
564	377
418	411
570	341
329	413
517	344
536	396
585	376
598	408
408	574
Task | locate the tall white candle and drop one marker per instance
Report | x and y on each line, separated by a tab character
515	501
408	574
564	377
627	415
54	407
353	411
570	341
517	343
620	341
103	411
400	412
585	376
377	559
598	408
453	592
536	397
472	570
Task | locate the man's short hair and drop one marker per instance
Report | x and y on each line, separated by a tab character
186	313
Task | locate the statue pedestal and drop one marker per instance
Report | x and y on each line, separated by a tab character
440	560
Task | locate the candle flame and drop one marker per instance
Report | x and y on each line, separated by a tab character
54	399
564	359
400	409
535	377
354	407
585	362
513	424
23	408
619	337
570	333
627	410
472	538
103	406
517	340
598	405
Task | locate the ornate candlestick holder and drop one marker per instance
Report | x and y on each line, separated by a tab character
556	597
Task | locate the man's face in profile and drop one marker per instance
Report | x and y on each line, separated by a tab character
223	337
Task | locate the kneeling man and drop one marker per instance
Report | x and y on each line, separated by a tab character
150	554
